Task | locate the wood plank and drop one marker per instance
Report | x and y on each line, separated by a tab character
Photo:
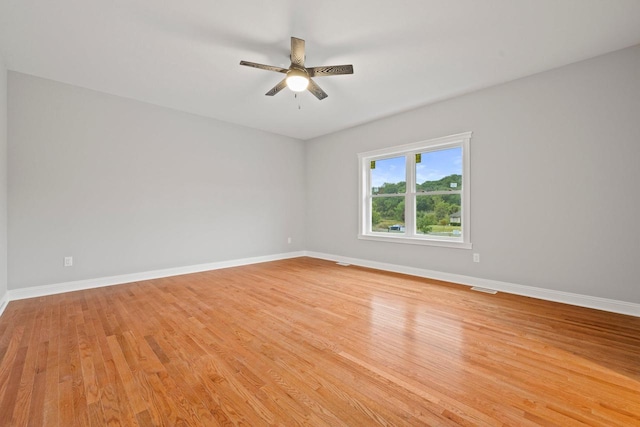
306	342
133	393
27	380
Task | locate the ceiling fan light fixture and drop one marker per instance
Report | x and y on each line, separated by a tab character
297	80
298	77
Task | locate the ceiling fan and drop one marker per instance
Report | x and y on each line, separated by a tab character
298	77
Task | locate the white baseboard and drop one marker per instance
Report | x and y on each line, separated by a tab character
58	288
4	301
604	304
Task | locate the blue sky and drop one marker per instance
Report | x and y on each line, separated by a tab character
434	165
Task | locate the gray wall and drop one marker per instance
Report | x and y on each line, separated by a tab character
127	187
3	180
555	198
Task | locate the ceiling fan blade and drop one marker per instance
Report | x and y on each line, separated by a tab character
316	91
277	88
297	52
264	67
330	70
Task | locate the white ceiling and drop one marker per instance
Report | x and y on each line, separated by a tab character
407	53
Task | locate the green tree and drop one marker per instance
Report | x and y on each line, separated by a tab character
443	184
452	199
424	203
426	221
441	210
399	211
388	208
375	217
392	188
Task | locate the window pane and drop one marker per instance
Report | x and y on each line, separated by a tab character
439	215
388	176
439	170
387	214
426	180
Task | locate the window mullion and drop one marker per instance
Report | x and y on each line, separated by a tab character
368	199
410	196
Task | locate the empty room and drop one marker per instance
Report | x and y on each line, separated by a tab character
354	213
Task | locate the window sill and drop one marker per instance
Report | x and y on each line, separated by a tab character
416	241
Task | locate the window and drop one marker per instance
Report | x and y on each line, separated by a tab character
417	193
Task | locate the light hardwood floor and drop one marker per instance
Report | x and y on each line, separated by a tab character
307	342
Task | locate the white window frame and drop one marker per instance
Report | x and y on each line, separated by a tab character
410	235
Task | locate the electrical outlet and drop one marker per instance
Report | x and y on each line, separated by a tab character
68	261
289	240
476	257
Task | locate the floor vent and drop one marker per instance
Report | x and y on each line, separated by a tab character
344	264
485	290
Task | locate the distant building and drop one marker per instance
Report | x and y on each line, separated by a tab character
454	218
